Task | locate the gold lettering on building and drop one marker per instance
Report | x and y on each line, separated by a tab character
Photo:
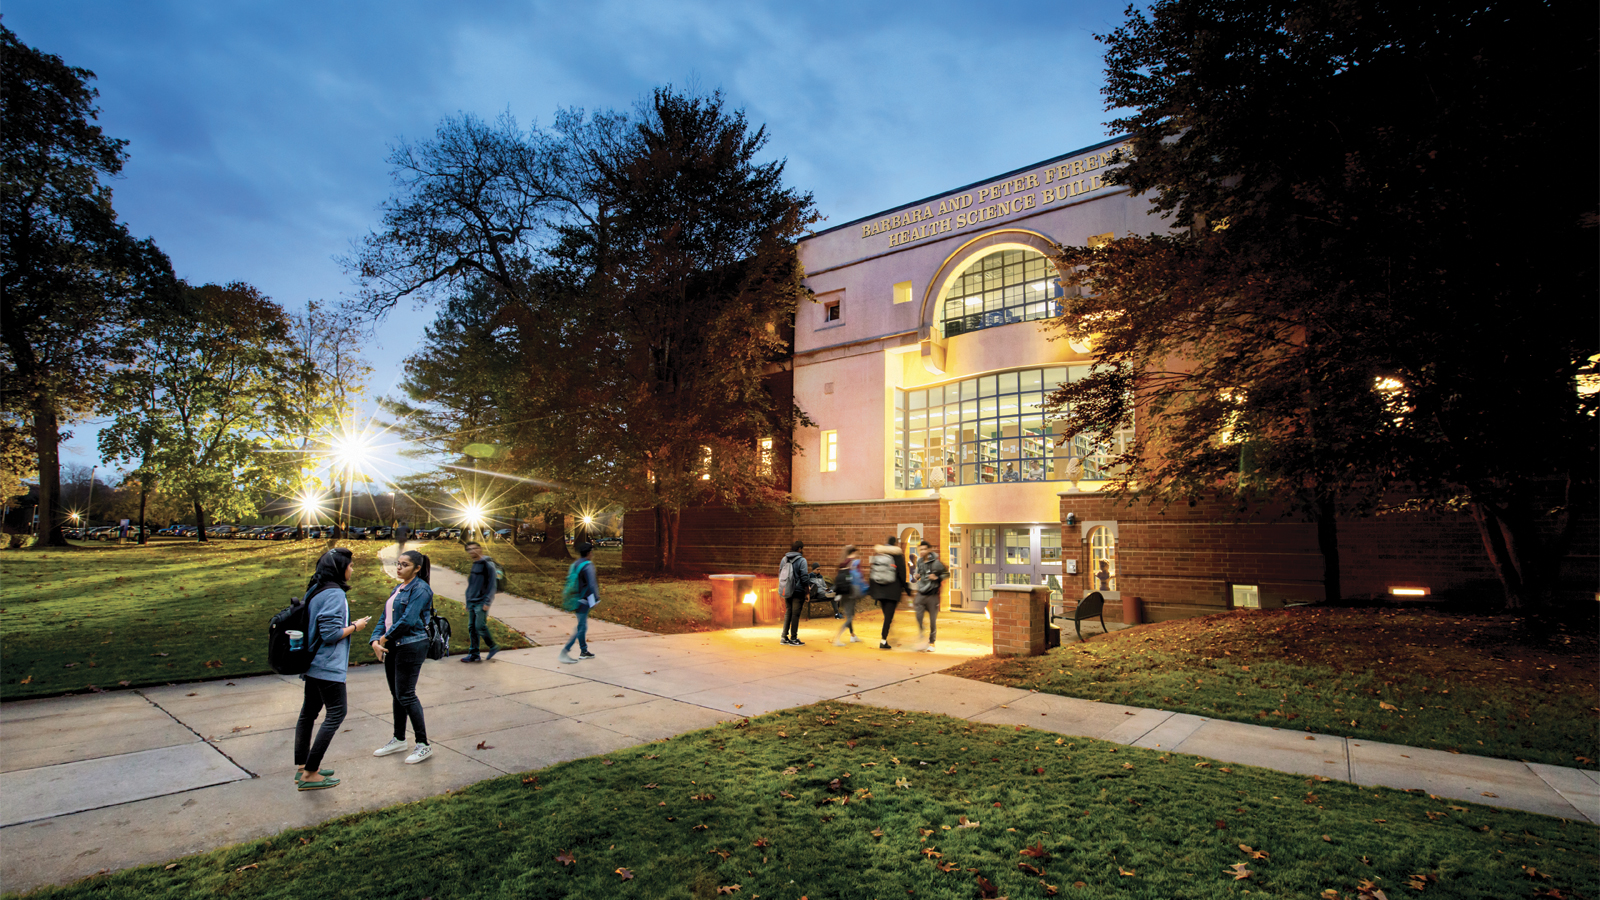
1001	198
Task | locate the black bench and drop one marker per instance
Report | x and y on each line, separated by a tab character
1093	605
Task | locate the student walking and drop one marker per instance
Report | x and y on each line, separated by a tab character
329	615
888	582
848	587
794	598
931	574
400	641
481	582
582	594
401	535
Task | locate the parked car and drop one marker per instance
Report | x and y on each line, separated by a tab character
359	533
382	533
608	542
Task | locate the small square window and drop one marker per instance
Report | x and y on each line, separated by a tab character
1246	596
902	292
831	312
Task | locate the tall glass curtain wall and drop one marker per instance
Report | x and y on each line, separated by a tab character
992	430
1004	287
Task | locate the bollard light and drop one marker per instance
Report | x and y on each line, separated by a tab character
750	599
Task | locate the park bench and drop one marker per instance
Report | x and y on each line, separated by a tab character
1089	607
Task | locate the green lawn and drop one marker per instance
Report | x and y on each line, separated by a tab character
660	605
103	616
1473	684
839	801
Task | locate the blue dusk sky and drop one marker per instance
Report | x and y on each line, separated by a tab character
258	131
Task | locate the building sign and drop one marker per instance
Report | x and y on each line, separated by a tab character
1057	183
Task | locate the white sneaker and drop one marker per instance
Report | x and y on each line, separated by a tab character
565	658
928	649
838	643
854	639
422	752
395	745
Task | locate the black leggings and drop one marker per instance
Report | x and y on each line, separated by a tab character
319	694
401	666
888	607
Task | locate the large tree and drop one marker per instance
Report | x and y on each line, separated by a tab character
640	273
212	382
1382	275
699	277
68	269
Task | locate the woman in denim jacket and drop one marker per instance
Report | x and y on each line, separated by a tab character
400	640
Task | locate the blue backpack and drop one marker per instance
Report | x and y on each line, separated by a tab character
572	593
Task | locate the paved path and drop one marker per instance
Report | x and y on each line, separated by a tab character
540	623
98	782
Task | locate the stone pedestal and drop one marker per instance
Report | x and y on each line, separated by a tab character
733	600
1020	615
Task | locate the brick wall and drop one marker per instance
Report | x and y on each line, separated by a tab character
1180	560
715	539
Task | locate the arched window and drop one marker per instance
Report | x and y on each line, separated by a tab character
1003	287
1102	559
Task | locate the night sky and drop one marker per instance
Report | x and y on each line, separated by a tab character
258	131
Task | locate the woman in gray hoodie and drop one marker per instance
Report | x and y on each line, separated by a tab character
331	628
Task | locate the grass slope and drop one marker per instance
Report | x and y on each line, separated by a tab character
842	801
1472	684
107	616
661	605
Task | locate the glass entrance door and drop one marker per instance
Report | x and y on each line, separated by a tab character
1008	554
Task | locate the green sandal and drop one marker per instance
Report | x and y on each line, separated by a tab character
317	785
323	772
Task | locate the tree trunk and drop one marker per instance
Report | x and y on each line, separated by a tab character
47	436
674	516
1501	553
144	494
200	523
555	536
1328	543
660	555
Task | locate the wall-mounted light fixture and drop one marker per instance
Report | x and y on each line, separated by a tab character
1409	591
1072	518
750	599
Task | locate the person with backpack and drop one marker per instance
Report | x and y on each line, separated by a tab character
400	641
888	582
793	587
401	535
931	574
848	587
328	630
481	584
581	594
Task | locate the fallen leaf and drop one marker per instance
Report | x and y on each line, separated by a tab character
1221	824
901	783
607	762
1389	706
1124	765
239	728
1037	851
701	827
28	680
728	889
946	867
1327	838
1238	871
627	874
1031	870
761	842
1128	872
931	853
877	832
566	858
247	868
171	866
986	889
1490	794
214	664
485	745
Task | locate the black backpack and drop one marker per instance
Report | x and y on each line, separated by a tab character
438	629
295	617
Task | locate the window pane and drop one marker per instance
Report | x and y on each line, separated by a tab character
1030	380
936	396
1054	377
919	399
986	386
969	389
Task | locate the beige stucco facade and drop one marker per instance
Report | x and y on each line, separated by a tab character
877	331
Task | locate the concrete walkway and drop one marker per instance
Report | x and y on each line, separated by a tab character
102	782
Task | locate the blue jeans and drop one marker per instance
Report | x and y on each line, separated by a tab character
478	624
579	634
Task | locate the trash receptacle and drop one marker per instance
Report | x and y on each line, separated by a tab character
1133	610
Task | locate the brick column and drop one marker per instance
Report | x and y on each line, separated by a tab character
1020	613
728	606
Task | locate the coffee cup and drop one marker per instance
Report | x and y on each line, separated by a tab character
297	639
